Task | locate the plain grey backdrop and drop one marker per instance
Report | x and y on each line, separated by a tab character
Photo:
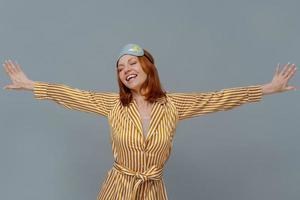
248	153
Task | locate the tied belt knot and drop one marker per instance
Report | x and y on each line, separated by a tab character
152	173
141	176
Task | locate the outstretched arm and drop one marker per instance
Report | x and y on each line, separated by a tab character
72	98
76	99
199	103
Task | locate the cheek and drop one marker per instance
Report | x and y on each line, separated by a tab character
121	78
144	76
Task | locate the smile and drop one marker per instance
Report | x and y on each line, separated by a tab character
131	77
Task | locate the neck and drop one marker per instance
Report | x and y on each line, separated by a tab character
139	98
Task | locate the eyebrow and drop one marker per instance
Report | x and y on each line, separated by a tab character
128	60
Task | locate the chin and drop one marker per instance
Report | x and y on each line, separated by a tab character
133	88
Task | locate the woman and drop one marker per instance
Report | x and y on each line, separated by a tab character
143	117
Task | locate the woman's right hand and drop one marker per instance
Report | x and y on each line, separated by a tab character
17	76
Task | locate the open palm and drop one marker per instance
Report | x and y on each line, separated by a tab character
281	78
17	76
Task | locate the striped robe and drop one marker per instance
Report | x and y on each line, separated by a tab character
140	159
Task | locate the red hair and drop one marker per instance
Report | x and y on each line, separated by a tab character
151	88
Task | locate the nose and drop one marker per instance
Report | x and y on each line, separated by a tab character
127	69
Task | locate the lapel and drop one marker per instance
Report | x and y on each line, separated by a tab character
157	113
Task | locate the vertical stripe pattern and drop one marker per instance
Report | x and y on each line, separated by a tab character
137	173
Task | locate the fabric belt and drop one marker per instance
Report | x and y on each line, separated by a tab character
152	173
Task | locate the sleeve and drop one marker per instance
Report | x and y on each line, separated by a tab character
198	103
76	99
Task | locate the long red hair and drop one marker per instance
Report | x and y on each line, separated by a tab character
151	88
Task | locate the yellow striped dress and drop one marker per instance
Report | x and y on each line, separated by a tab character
139	159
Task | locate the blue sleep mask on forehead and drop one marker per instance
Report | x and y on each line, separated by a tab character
131	49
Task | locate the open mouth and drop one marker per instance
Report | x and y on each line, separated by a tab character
132	76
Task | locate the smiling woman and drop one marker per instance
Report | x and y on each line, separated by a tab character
143	117
137	75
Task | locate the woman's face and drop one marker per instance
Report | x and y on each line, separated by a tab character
131	72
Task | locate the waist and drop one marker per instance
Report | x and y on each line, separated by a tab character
152	173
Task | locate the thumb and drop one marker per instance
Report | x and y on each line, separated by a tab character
6	87
291	88
9	87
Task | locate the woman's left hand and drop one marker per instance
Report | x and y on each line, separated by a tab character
280	80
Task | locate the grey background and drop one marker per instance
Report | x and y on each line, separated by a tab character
251	152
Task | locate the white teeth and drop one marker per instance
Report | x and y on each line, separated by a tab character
130	76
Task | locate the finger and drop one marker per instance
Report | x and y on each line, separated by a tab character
288	71
10	71
291	73
277	69
283	71
7	68
18	67
288	88
9	87
6	87
12	66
